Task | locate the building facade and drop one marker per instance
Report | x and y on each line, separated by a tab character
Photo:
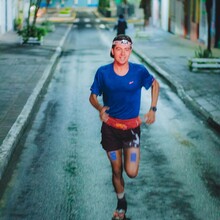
188	19
10	12
71	3
185	18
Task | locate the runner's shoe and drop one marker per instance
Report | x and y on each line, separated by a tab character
122	204
119	215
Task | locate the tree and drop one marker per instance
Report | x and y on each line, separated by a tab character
37	7
35	3
104	3
31	30
103	6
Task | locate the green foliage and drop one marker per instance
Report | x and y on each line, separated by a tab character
65	11
17	23
104	3
200	53
32	31
48	25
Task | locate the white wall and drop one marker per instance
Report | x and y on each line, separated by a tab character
2	16
155	13
26	4
7	15
10	16
160	14
165	14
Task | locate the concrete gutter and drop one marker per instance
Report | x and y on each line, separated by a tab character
9	143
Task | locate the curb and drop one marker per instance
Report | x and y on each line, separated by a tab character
180	91
9	143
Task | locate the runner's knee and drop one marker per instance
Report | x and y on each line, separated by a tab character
131	172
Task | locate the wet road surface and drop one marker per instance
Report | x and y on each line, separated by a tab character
63	173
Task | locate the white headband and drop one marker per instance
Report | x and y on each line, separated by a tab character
121	42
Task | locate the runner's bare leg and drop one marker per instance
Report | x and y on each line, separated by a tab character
115	158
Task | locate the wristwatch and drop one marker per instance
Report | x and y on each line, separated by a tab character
153	108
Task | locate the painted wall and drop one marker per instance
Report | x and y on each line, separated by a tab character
70	3
179	22
165	14
156	13
177	17
203	26
7	15
194	19
2	16
203	23
10	15
172	16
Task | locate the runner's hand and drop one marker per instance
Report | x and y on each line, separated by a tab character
103	115
150	117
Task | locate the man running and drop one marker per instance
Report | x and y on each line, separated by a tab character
120	83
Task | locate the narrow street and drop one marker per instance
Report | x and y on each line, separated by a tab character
64	174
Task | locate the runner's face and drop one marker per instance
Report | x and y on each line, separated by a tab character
121	53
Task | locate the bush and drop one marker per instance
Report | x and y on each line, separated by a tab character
17	24
65	11
200	53
32	31
48	25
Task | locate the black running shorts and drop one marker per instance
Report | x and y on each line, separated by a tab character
115	139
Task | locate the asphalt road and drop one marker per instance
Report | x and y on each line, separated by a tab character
63	173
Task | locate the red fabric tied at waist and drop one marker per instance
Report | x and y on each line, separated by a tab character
124	124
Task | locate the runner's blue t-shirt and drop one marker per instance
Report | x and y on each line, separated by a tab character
122	94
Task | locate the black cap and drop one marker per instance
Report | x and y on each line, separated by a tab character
120	37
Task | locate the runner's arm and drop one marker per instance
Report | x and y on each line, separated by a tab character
95	103
150	116
154	92
102	109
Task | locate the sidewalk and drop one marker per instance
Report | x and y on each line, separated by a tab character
24	72
168	55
